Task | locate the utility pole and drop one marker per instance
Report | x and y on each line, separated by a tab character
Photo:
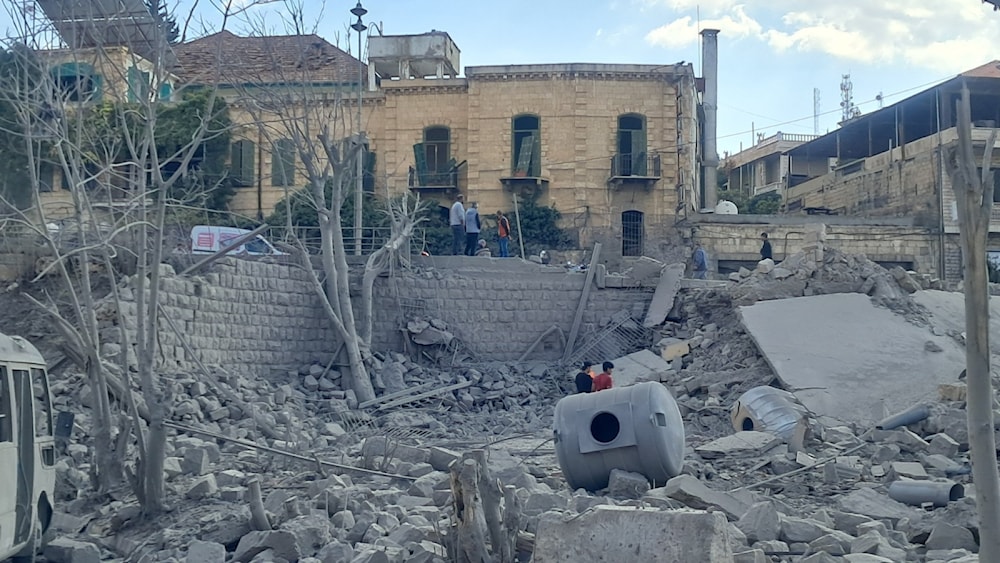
359	196
972	180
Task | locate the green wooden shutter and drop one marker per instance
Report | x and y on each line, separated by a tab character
420	163
368	180
639	152
524	154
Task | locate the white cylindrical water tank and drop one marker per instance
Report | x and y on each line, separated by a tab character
726	207
635	428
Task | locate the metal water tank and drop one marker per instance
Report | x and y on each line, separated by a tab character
636	428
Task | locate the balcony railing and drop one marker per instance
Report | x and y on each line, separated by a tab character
433	180
627	165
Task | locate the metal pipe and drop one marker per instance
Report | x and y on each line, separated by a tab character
710	104
919	493
912	415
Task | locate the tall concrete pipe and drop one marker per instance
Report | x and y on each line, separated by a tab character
710	105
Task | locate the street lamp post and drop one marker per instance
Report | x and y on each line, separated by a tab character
359	26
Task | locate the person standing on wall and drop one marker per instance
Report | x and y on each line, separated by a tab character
472	228
457	221
700	260
765	248
503	232
603	381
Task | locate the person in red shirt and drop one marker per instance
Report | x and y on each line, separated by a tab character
603	381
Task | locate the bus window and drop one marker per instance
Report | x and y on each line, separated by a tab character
6	432
43	404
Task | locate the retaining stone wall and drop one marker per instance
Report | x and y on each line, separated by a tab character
497	316
257	317
252	317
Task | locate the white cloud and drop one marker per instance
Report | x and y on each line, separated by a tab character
941	36
684	31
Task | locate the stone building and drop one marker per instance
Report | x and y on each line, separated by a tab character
892	163
615	148
762	168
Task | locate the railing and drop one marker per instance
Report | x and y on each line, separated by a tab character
791	137
440	180
372	238
625	165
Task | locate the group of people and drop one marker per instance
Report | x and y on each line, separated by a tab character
699	258
588	382
466	227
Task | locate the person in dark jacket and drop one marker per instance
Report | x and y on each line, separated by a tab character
765	248
585	379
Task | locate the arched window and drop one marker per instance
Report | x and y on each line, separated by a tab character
631	158
632	233
432	157
526	146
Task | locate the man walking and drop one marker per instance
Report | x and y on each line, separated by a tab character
457	221
700	260
503	232
765	248
472	228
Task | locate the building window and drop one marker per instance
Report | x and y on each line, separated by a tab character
43	404
46	176
432	157
139	83
76	82
632	233
6	411
241	162
631	157
283	163
526	146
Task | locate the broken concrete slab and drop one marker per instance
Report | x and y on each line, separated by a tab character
639	367
695	494
633	536
852	361
740	444
663	297
947	311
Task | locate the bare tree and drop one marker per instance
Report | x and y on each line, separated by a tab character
315	122
119	175
973	182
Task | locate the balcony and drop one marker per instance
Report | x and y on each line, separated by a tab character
639	170
426	181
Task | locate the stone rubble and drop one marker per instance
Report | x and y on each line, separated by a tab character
825	503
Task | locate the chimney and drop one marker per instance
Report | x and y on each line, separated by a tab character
710	104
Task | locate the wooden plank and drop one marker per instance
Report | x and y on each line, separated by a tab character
571	339
427	395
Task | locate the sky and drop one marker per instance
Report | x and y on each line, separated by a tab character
773	54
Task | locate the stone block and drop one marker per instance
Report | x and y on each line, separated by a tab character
633	536
336	552
953	391
627	484
203	487
873	504
311	532
942	444
281	543
760	523
441	458
945	535
751	556
795	530
205	552
907	470
673	348
65	550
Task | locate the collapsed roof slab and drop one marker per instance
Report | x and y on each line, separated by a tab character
947	311
849	361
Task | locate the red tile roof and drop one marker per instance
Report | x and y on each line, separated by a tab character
265	60
988	70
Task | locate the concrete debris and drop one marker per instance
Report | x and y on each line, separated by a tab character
633	536
663	297
821	497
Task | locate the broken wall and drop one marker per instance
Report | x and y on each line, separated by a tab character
499	316
909	246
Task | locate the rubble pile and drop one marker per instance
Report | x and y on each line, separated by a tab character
816	269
